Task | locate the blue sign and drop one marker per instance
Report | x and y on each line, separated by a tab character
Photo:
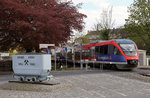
65	49
47	51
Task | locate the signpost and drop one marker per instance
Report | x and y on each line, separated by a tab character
45	45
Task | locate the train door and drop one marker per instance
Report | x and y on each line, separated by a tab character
102	53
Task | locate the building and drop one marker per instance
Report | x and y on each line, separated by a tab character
93	35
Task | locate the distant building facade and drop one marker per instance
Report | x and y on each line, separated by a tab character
93	35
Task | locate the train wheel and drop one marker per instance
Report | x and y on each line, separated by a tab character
108	66
114	67
21	79
40	81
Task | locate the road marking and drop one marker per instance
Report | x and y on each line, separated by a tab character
85	91
139	92
120	93
98	94
113	91
103	87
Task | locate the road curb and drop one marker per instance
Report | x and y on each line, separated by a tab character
6	73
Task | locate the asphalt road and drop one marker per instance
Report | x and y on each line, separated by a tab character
6	78
84	84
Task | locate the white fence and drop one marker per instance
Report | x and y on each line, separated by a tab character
142	58
148	60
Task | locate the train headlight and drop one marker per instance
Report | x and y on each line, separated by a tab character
136	54
133	62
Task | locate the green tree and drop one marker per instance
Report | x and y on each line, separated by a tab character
84	39
138	23
28	23
105	34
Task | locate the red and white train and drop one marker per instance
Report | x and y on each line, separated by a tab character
119	53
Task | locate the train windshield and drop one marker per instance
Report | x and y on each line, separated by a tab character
129	49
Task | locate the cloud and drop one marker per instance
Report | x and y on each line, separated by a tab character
92	15
119	15
93	10
97	3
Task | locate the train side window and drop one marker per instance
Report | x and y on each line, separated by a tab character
101	50
104	49
85	54
111	49
77	54
97	50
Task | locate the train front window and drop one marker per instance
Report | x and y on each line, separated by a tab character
129	49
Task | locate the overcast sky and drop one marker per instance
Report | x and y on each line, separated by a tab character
93	9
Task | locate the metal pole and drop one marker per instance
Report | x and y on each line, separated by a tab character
86	66
55	59
66	58
93	65
74	61
81	65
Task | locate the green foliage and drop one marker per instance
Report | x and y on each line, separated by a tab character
13	53
138	23
105	34
84	39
